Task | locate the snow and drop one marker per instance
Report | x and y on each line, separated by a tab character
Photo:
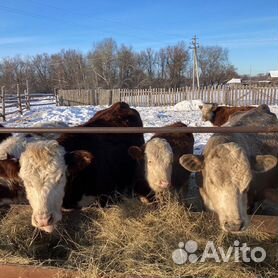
188	105
187	112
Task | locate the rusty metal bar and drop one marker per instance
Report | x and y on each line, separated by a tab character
132	130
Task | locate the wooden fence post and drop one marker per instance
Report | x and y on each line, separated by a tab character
19	105
3	103
27	97
56	97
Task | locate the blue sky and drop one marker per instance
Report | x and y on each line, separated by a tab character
249	29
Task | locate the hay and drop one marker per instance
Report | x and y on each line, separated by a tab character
130	238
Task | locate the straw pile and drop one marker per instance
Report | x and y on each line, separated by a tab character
130	238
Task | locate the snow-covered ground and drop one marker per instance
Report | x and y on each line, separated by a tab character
186	111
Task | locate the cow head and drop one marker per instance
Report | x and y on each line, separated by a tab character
227	174
44	169
208	110
156	159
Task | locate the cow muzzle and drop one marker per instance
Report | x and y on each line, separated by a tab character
44	222
234	227
164	184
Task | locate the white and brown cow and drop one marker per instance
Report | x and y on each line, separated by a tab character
219	115
60	173
237	168
158	167
11	187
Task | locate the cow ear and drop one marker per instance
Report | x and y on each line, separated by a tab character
192	163
200	107
264	163
77	161
136	152
214	106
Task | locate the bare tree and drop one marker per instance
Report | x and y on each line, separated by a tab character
102	60
214	65
148	62
40	77
126	64
108	66
177	63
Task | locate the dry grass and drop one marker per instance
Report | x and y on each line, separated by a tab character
130	238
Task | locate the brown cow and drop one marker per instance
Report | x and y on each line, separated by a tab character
219	115
238	169
11	187
158	162
60	173
4	136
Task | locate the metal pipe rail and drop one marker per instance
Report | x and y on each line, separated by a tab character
139	130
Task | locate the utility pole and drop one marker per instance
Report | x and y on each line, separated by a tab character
194	46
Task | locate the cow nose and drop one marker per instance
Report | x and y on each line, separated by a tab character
234	227
44	219
164	184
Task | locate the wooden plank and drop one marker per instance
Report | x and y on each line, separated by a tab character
48	103
27	271
3	115
263	223
20	271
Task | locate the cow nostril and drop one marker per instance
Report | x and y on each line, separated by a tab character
50	219
234	227
241	225
164	184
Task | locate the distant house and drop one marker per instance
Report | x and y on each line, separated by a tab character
273	76
273	73
234	81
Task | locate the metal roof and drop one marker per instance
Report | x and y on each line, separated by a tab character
234	81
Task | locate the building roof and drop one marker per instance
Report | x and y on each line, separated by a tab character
234	81
273	73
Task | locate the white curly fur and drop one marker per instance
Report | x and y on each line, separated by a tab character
43	171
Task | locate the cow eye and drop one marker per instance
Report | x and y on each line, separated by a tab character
149	161
59	178
245	190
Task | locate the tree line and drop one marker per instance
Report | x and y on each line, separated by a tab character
108	65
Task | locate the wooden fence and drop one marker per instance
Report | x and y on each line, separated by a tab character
20	101
224	95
